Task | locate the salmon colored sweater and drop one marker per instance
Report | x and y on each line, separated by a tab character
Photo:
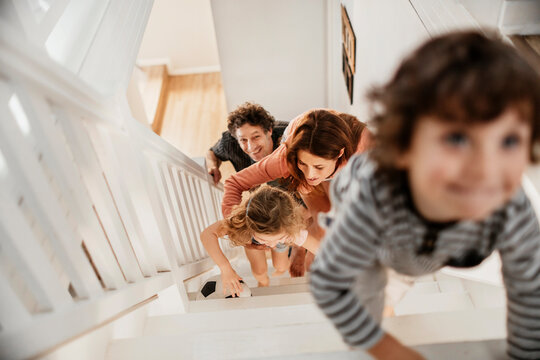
273	166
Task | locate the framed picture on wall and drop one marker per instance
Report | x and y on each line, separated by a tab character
347	73
349	39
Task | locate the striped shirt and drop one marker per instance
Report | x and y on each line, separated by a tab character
375	225
228	149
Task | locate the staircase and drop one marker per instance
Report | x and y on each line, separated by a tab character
442	316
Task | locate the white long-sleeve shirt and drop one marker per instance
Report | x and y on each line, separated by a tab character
375	225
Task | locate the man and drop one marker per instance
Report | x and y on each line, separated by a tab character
252	134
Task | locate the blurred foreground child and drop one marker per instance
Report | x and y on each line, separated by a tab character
456	127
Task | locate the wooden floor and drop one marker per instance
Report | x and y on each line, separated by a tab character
195	114
154	92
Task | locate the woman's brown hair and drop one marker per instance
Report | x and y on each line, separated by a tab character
267	210
323	133
464	77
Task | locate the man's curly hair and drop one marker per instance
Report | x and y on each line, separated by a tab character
250	113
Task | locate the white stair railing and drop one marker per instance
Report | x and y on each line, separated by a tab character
98	213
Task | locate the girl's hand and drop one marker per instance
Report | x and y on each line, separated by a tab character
231	282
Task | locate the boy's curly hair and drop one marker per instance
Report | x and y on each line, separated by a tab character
250	113
465	77
271	210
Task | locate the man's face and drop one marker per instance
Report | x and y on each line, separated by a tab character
254	141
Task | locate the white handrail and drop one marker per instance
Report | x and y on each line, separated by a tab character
98	212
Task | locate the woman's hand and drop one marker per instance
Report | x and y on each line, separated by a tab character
231	282
296	268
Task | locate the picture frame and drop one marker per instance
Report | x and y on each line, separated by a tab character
347	74
349	39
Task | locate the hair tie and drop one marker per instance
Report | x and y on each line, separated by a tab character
247	207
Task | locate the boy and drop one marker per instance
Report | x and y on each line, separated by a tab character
458	125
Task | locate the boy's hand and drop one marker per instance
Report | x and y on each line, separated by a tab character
231	282
389	348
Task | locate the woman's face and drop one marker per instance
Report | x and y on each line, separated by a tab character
315	169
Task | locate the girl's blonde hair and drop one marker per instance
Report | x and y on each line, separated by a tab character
267	210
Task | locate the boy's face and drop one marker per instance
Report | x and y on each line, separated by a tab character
465	172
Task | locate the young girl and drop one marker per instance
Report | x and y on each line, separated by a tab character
315	146
268	218
458	125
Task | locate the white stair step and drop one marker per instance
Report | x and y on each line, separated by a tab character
492	349
233	319
425	278
243	268
414	303
485	295
277	281
287	280
282	289
425	287
289	340
251	302
489	271
268	290
439	282
231	344
451	285
448	327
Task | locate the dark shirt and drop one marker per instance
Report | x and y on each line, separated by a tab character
227	148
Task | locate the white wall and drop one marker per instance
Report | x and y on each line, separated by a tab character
486	12
180	34
135	100
273	53
385	30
